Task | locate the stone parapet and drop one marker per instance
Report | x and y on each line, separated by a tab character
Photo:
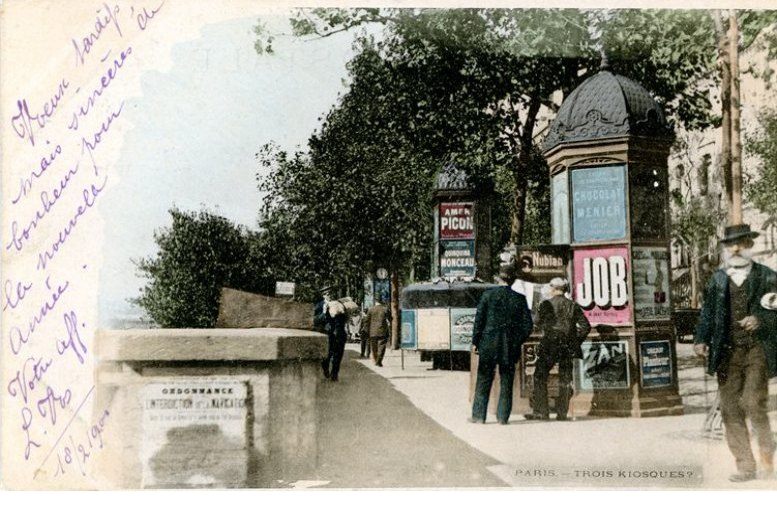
208	407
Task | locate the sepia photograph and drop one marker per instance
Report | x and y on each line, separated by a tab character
272	247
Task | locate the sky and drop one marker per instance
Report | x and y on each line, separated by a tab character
195	132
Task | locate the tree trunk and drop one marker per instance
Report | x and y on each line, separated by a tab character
395	315
694	302
724	53
736	143
522	163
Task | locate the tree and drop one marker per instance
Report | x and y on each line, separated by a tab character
510	63
198	255
761	188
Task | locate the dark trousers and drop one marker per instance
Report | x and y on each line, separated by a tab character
486	369
365	344
744	392
331	364
378	349
546	360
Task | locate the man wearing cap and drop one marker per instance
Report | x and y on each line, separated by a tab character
502	323
737	333
378	326
330	317
564	327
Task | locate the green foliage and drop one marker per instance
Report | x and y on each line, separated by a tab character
761	188
198	255
472	82
693	221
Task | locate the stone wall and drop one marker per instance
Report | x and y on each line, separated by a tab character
208	407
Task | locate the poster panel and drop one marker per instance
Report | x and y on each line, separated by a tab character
651	283
456	221
434	329
649	215
409	336
180	410
559	214
462	325
601	284
655	363
541	263
382	290
457	259
605	365
599	203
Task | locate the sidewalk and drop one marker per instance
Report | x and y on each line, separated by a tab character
371	436
662	452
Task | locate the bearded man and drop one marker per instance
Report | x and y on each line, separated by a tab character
737	333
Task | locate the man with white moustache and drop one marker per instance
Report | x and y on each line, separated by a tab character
737	333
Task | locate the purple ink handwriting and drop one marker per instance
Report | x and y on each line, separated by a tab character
14	293
48	201
106	17
90	196
49	405
105	83
25	184
79	448
25	121
97	137
73	343
18	337
144	17
26	380
51	196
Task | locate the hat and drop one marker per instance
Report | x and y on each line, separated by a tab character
559	283
733	233
325	289
508	271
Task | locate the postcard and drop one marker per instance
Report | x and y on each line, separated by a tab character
253	245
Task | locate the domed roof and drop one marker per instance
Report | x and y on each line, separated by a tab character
607	105
450	177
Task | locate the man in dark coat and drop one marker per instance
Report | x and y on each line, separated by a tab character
378	327
737	333
330	318
502	323
564	327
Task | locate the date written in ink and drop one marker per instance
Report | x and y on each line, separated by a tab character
78	448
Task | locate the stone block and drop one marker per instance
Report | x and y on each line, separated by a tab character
208	408
240	309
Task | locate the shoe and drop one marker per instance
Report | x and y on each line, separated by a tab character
536	416
379	365
741	477
563	418
334	379
473	420
504	422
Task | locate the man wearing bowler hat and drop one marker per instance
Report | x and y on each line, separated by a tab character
737	333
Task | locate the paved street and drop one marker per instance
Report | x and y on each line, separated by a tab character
372	436
389	427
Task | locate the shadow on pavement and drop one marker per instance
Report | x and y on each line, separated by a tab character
371	436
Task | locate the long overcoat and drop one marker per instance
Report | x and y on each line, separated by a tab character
714	320
502	323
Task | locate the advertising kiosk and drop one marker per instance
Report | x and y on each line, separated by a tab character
607	151
438	316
